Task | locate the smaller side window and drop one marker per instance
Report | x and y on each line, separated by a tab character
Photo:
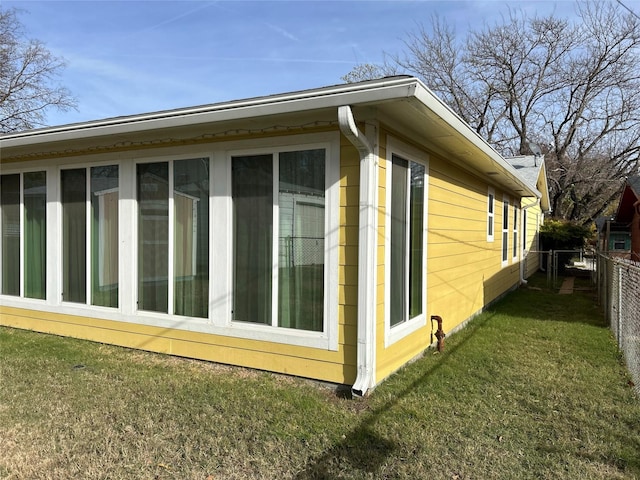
525	243
515	231
505	230
491	197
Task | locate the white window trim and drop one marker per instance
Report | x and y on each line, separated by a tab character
505	232
220	246
514	236
21	233
86	166
169	159
328	338
525	244
407	327
491	214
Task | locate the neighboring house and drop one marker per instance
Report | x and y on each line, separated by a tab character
312	233
624	230
613	238
533	171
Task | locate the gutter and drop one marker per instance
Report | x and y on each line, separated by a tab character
328	97
446	113
366	327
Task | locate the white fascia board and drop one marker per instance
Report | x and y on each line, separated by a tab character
349	94
441	109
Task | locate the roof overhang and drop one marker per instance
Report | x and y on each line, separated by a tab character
404	102
626	207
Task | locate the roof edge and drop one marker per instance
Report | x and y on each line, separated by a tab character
382	89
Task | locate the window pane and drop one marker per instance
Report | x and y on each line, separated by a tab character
490	216
505	216
10	201
252	192
505	248
191	237
35	234
505	230
152	181
416	240
301	201
74	235
515	231
104	236
399	172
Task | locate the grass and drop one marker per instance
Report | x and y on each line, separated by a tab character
534	388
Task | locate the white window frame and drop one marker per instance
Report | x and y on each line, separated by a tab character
327	339
491	212
525	243
220	244
21	236
170	159
397	332
505	231
514	236
59	233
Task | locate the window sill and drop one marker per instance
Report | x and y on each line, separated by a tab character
402	330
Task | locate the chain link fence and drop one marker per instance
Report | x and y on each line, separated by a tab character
556	264
618	282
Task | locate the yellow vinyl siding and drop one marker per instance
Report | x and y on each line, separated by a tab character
390	358
534	216
348	254
289	359
464	271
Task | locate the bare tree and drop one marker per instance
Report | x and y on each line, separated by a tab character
28	74
369	71
573	88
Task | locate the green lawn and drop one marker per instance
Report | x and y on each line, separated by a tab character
534	389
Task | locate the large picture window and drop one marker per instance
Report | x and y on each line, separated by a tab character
406	240
90	235
173	237
24	236
278	232
143	236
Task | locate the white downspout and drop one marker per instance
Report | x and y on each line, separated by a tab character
365	378
522	229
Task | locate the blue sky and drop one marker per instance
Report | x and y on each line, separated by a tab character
129	57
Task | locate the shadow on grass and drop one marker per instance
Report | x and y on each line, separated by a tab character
365	451
578	307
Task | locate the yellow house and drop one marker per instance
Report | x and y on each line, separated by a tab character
312	233
532	169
